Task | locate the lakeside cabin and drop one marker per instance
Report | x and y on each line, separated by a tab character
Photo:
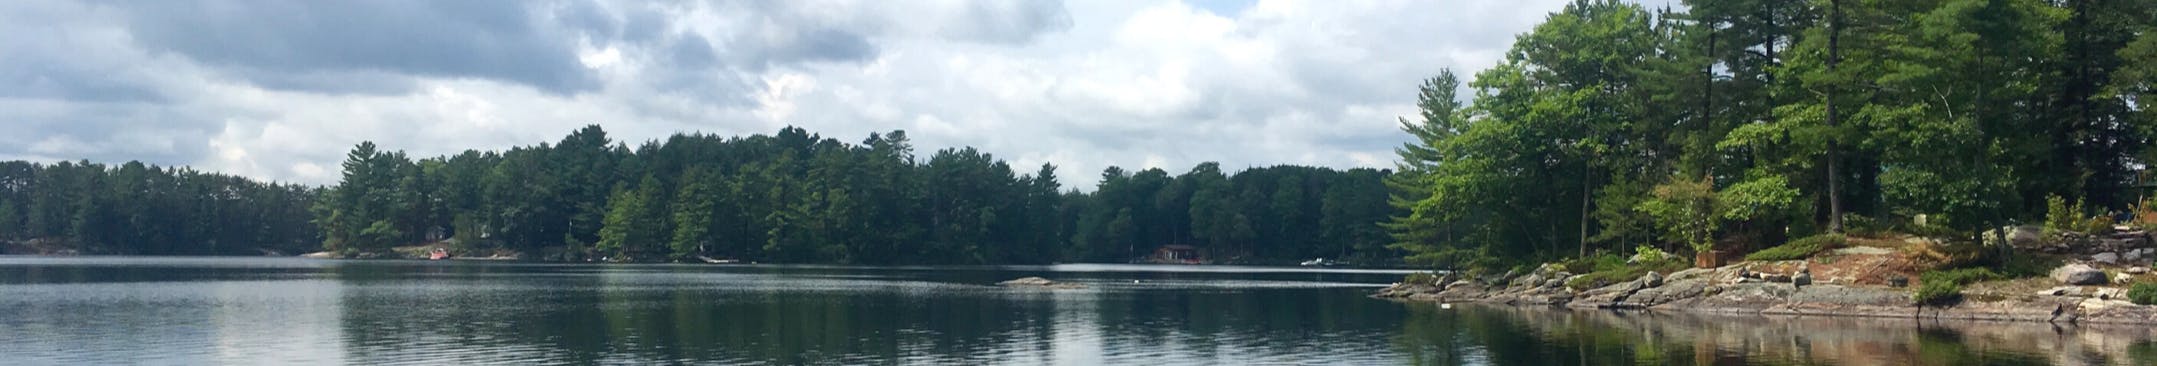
1176	254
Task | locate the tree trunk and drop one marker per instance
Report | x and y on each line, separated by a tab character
1585	173
1834	173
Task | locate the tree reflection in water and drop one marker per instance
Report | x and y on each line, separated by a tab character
1482	334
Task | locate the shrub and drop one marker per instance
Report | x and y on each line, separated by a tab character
2061	216
1624	272
1960	276
1421	278
1863	226
1936	229
1649	253
1594	263
1798	249
1937	293
2145	216
2026	265
2143	294
1686	210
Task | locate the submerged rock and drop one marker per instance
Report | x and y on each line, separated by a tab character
2062	291
1039	282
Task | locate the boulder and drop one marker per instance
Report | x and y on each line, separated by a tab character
2138	270
2025	236
1689	273
2117	244
2078	274
1539	296
1670	291
1557	281
1651	279
1801	279
1529	280
2124	278
2106	258
2131	255
2110	293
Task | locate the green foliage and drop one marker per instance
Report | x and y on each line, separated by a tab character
1961	276
10	220
2143	293
1514	176
1937	293
1651	253
1688	210
635	224
1802	112
1798	249
2063	216
2023	265
1606	269
1757	198
1607	274
1593	263
1425	278
142	209
1862	225
800	198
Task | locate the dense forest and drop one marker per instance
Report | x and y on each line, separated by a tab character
790	197
795	197
140	209
1733	124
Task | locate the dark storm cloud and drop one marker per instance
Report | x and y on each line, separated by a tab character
105	133
692	51
1009	22
265	41
43	57
786	45
63	81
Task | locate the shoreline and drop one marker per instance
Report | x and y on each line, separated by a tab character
1728	290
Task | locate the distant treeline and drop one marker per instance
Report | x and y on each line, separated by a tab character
790	197
800	198
142	209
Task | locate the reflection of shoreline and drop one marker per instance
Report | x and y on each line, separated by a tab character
1846	340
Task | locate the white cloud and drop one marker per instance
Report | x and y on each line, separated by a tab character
1083	85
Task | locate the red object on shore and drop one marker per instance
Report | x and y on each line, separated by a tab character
438	254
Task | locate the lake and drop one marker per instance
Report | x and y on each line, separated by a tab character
138	310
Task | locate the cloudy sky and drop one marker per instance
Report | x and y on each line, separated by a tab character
281	89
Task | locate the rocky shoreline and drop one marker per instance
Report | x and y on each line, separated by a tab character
1739	289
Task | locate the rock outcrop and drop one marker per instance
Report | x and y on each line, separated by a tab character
1739	289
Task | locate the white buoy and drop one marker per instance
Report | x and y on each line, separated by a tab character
1445	306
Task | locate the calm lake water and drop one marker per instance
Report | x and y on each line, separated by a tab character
126	310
